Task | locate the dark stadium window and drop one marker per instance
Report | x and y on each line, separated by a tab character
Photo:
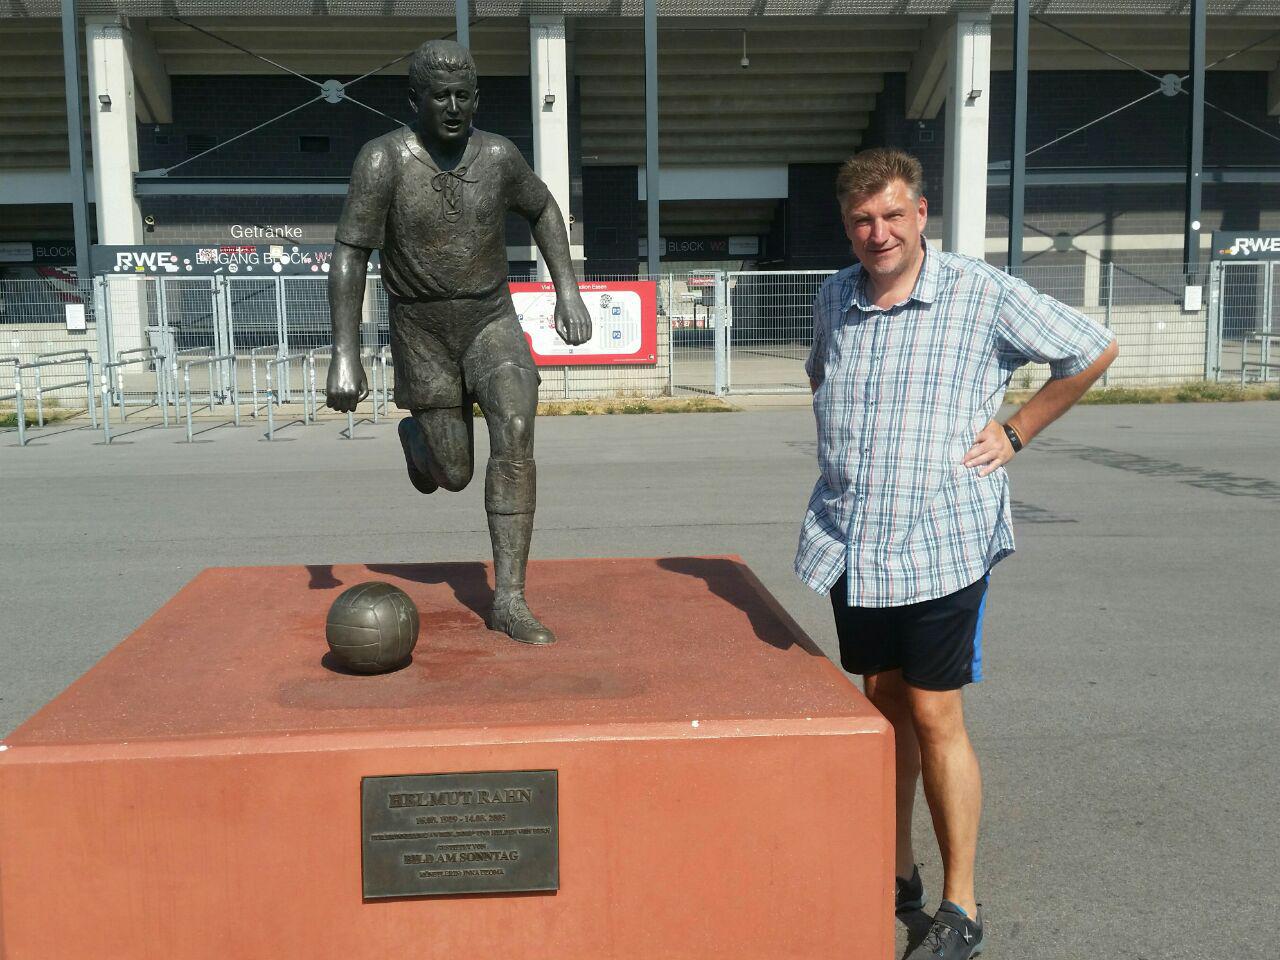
313	144
200	142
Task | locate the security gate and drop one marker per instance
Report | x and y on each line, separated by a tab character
742	331
1248	339
770	329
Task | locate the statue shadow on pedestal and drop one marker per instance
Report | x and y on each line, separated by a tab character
733	582
469	581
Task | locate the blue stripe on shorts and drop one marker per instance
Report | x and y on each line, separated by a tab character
976	667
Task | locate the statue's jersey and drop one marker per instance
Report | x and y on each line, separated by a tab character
441	232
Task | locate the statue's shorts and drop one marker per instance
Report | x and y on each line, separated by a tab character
444	350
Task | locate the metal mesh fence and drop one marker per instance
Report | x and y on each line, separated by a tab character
771	331
48	357
33	318
717	332
1160	342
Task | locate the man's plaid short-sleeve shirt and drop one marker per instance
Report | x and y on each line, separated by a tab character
902	393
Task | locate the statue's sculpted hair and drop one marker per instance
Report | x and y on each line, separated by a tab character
872	170
439	56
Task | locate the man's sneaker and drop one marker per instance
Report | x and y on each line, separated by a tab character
908	894
411	436
953	936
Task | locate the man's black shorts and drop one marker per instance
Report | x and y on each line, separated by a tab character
936	643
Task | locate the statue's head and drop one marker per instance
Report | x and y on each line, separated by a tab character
442	90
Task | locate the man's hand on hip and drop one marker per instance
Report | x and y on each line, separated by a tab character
991	449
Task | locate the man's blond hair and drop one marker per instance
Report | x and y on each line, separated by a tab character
871	171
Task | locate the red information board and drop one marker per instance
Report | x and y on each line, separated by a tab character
624	323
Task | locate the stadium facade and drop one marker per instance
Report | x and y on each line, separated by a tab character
212	122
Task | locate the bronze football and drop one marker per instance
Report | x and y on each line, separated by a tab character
372	628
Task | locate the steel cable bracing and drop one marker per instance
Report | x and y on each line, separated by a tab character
325	95
1092	46
246	133
348	97
1147	73
1105	116
1223	110
236	46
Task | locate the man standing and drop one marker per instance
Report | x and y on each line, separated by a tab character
912	352
433	198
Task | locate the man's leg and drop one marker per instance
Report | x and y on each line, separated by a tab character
509	399
952	787
890	695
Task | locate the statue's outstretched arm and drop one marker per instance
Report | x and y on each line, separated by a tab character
346	385
573	322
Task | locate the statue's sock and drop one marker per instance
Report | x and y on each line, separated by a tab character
510	486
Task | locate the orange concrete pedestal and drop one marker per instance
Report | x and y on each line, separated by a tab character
723	790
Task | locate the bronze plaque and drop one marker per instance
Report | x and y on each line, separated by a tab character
448	833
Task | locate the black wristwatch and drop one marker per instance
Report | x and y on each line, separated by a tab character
1014	440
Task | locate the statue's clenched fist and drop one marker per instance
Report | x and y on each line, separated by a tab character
573	322
346	385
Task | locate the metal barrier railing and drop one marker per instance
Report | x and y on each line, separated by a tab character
326	348
208	364
254	355
272	400
147	355
59	358
162	368
198	357
309	385
17	392
380	362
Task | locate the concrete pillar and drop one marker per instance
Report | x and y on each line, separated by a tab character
1092	280
549	83
113	121
114	126
968	101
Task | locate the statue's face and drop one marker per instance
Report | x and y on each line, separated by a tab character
447	107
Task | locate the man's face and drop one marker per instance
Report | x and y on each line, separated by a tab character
447	106
885	229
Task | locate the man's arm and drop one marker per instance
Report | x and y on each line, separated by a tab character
815	362
346	385
992	447
1056	397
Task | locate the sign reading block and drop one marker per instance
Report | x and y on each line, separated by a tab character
460	833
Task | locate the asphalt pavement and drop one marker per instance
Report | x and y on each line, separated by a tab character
1129	725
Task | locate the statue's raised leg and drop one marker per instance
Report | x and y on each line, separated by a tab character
439	447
